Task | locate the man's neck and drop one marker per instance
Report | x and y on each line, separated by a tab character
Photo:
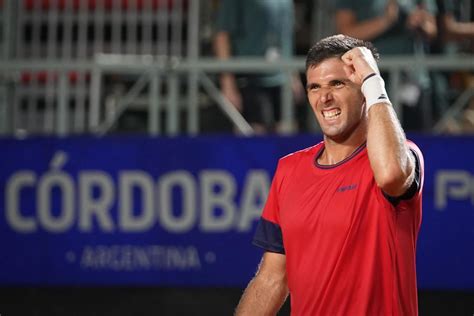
336	151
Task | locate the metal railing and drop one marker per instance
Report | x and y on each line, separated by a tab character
150	72
70	33
65	90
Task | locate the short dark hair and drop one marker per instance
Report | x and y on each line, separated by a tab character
335	46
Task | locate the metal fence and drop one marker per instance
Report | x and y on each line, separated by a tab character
61	60
45	100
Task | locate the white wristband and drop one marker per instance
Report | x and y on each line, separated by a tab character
373	89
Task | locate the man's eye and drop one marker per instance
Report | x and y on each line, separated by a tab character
339	84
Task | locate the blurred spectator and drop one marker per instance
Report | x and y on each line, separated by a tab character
258	28
396	28
451	28
456	35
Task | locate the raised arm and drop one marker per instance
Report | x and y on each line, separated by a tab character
268	290
422	21
455	30
347	23
391	161
223	51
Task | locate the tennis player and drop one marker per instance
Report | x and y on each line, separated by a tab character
340	225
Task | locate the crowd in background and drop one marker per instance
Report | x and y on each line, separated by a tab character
70	31
282	28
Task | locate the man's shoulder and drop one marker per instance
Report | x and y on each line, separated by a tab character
294	158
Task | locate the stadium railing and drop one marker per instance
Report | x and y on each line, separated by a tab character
151	71
60	60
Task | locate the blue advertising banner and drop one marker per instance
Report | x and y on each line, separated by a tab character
445	253
182	211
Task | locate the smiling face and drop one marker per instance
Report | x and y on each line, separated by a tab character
337	102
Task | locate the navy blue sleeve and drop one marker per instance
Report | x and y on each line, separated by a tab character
414	187
268	236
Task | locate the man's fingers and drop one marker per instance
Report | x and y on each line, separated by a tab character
347	57
352	55
349	70
358	62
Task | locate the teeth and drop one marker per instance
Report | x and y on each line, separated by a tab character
331	113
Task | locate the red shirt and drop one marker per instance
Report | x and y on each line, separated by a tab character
350	249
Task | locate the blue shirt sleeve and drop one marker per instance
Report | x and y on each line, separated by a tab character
344	5
227	16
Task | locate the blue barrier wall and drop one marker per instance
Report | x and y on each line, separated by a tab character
181	211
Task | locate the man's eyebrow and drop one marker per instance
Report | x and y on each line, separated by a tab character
331	82
336	80
312	85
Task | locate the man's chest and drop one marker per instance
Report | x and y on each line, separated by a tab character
328	203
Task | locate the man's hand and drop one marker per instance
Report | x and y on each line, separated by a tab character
359	63
422	21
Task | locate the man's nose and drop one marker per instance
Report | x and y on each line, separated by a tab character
326	95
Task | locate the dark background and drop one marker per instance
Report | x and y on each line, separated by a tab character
175	301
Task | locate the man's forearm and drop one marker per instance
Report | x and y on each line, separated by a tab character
388	153
222	47
366	30
223	51
262	297
455	30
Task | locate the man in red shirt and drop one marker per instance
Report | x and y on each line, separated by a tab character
342	217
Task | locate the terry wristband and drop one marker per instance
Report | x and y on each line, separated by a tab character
373	89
